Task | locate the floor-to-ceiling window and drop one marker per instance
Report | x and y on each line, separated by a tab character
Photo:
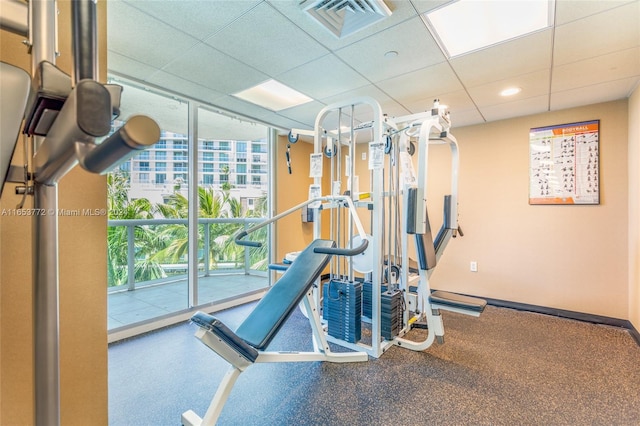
217	168
229	204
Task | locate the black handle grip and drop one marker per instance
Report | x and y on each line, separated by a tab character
343	251
239	240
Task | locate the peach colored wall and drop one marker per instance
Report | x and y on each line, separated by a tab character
566	257
634	209
83	304
292	189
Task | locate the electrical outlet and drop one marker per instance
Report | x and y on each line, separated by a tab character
473	266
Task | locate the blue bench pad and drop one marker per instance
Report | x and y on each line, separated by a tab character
214	325
263	323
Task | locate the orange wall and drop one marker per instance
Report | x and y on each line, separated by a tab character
292	189
566	257
83	304
634	209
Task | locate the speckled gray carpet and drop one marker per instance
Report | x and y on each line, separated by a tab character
504	368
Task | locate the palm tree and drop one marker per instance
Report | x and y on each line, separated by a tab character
211	204
146	241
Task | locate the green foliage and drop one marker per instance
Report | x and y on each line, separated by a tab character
158	245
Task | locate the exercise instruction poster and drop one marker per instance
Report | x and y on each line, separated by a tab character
564	164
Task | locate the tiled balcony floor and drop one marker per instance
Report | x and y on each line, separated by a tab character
151	301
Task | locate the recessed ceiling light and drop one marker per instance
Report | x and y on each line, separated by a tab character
273	95
510	91
468	25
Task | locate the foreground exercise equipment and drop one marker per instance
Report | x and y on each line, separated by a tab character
64	116
246	345
14	86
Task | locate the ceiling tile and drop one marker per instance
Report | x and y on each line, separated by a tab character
326	76
231	103
596	70
596	93
517	108
213	125
456	101
388	105
267	41
304	113
116	63
415	46
211	68
517	57
198	18
571	10
532	84
421	85
465	118
606	32
179	85
135	35
423	6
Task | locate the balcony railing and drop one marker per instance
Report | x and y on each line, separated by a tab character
204	255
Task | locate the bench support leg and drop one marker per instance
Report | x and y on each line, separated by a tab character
210	418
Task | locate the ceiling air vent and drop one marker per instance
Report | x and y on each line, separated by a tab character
344	17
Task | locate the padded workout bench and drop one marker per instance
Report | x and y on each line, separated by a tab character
245	346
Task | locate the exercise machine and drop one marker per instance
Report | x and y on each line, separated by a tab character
63	118
395	297
246	345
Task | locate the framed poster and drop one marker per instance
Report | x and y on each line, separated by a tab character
564	164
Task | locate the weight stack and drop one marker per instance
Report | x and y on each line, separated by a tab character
391	314
342	309
367	292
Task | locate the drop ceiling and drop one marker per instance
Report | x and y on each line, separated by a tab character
209	49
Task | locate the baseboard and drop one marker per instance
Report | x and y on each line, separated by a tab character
634	333
563	313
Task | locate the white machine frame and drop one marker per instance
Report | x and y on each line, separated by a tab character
431	127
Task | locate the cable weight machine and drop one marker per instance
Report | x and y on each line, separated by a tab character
395	296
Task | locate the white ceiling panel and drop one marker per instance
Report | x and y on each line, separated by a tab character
304	113
326	76
571	10
388	104
267	41
466	118
231	103
596	35
118	64
136	35
212	125
207	66
517	108
180	85
198	18
421	84
423	6
602	92
532	85
517	57
614	66
411	39
455	101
